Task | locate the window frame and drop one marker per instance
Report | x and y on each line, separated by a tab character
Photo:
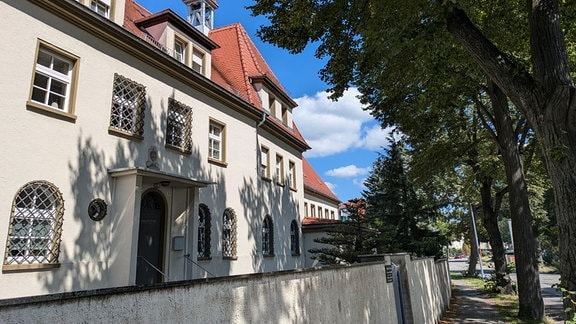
267	236
70	79
180	56
134	106
229	239
292	174
265	162
106	3
204	233
294	238
184	128
30	215
198	60
212	138
279	173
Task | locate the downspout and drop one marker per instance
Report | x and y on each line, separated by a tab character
264	115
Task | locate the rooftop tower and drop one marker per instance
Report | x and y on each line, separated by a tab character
201	14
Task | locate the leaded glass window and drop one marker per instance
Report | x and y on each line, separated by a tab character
204	224
128	105
229	233
35	225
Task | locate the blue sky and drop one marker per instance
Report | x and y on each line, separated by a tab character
344	138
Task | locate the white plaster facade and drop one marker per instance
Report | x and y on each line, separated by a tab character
84	160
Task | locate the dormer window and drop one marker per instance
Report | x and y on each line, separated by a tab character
179	50
272	105
198	61
102	7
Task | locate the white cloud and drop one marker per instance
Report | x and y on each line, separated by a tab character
348	171
331	127
331	186
376	138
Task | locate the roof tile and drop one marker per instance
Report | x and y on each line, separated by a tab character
314	183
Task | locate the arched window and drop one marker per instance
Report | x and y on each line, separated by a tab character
35	225
294	238
229	234
204	225
268	236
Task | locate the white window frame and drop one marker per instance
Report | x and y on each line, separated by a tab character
53	75
292	174
179	51
265	162
216	141
198	61
101	7
280	169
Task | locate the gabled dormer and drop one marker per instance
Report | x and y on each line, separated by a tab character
111	9
274	100
176	37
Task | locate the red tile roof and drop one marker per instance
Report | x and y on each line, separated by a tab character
133	12
234	64
314	183
319	221
237	62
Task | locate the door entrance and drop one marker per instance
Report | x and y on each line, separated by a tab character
150	239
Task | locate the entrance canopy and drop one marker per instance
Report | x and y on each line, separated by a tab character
160	177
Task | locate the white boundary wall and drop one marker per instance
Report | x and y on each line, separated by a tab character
354	294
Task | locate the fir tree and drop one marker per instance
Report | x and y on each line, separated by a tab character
402	215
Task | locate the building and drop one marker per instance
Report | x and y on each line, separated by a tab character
142	148
321	211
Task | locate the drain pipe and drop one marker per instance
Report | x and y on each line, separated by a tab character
264	115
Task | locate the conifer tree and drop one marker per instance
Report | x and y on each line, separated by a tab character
403	217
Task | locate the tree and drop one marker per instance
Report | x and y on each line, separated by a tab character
381	47
346	241
406	222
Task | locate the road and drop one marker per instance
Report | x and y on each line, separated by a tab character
552	297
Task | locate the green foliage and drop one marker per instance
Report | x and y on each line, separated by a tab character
404	217
345	242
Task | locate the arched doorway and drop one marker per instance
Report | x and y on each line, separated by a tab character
151	239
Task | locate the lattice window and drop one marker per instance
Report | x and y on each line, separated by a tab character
179	125
128	105
268	236
35	225
294	238
229	233
204	224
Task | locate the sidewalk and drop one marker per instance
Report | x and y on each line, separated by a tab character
470	305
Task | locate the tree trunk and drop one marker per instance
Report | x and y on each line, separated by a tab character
531	305
546	99
490	220
558	140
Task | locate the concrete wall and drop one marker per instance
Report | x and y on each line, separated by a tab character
425	286
354	294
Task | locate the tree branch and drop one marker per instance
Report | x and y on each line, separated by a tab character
509	75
